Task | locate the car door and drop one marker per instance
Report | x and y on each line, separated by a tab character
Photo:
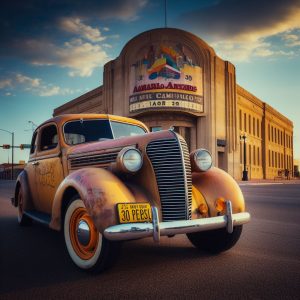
48	167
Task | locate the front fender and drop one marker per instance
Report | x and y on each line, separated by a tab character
99	189
216	183
22	183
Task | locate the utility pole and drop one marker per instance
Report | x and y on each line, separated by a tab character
12	152
166	14
12	155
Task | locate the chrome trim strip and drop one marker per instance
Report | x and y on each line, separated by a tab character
155	222
132	231
54	155
229	217
185	179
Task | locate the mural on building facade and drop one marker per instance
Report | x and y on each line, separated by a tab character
166	77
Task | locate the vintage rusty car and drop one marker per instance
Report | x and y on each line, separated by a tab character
103	179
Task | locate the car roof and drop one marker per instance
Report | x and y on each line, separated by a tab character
62	119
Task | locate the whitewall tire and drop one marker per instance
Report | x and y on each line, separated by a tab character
87	247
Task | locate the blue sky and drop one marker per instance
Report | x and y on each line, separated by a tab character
54	51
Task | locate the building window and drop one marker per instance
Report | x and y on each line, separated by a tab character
269	158
258	127
272	159
245	122
275	159
258	156
254	156
155	128
249	124
241	153
272	134
241	125
269	136
253	126
250	153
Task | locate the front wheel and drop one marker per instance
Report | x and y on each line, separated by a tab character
23	220
87	247
215	241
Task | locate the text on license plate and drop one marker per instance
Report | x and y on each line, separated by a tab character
134	212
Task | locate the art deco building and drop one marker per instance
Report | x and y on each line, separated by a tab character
171	78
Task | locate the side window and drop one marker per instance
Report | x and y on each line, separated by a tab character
49	138
33	145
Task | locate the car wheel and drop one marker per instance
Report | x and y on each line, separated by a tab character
23	220
215	241
87	247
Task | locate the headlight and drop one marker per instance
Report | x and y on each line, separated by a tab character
130	160
201	160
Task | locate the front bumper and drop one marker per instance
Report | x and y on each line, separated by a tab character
156	229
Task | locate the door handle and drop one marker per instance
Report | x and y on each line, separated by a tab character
35	163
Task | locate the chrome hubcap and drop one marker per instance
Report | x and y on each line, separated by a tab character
83	233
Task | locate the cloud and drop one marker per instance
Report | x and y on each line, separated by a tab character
33	82
292	40
49	90
35	86
76	26
4	83
80	57
38	19
246	26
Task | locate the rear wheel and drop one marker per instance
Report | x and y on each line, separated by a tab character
23	220
87	247
215	241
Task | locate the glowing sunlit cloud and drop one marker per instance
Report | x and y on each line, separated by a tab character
76	26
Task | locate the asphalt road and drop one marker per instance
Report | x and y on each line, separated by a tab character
265	264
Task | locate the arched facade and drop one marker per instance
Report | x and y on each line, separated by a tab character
171	78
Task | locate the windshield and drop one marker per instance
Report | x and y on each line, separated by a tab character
125	129
85	131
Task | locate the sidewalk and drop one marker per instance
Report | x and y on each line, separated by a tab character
268	181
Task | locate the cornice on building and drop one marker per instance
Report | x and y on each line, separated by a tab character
272	111
268	108
250	97
77	101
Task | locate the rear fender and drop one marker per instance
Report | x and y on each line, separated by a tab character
214	184
99	189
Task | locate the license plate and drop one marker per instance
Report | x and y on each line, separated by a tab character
134	212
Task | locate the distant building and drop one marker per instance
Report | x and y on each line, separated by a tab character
5	170
171	78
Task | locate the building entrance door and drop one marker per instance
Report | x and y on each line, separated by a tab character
221	160
185	132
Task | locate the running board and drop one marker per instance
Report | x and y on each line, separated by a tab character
38	216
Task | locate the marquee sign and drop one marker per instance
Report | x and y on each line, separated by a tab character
166	78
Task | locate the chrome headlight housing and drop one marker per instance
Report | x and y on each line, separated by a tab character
130	160
201	160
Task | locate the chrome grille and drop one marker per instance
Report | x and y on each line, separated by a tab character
92	160
173	175
188	174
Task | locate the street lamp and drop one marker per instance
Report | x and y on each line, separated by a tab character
245	172
33	125
12	152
